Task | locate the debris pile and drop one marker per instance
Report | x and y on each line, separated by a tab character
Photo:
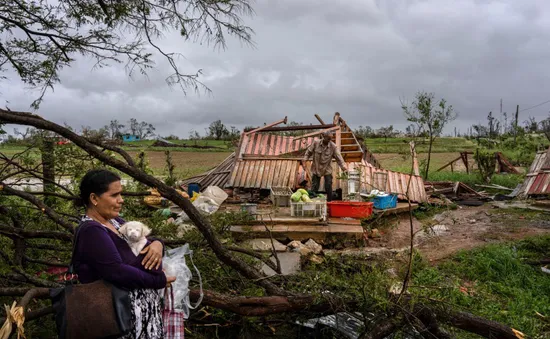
456	192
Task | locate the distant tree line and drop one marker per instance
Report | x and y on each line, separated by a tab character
217	130
114	132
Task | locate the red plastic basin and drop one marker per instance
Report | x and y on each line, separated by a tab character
350	209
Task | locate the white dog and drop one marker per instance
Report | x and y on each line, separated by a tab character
136	233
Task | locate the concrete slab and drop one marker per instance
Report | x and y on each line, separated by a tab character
290	263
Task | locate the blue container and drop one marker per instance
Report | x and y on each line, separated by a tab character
382	203
194	187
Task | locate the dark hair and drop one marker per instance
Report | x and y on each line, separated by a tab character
96	181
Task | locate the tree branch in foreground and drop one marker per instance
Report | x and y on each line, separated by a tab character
202	224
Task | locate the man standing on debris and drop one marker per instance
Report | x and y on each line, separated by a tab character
323	150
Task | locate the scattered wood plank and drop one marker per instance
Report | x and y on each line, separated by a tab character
495	187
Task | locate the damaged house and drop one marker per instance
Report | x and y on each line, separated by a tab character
269	156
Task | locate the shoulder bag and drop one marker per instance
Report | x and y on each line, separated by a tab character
95	310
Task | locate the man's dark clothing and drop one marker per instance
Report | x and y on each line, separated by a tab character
316	181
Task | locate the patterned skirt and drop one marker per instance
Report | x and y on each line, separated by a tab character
146	315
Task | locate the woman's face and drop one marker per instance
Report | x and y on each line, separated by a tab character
108	204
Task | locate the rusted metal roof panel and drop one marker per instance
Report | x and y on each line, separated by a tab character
540	184
264	174
271	144
396	182
537	179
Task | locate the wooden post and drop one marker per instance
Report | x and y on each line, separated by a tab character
466	163
452	168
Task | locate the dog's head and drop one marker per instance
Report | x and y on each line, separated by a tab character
135	230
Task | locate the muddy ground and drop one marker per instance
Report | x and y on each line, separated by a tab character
444	234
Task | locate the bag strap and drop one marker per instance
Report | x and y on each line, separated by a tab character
70	271
200	283
169	299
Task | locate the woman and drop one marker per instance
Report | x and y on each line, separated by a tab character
102	253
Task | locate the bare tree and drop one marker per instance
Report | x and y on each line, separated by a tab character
386	131
140	129
115	129
39	38
429	115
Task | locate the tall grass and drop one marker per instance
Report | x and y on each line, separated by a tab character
496	283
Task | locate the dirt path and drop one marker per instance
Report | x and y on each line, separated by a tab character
464	228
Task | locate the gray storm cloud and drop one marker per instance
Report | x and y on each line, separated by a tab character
355	57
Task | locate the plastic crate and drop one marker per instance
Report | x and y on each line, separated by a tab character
382	203
280	196
350	209
308	209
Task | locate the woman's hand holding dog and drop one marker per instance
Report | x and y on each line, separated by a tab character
153	258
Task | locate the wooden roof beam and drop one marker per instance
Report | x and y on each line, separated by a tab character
289	128
263	128
323	123
317	132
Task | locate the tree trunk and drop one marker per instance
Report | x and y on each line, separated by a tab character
48	168
429	157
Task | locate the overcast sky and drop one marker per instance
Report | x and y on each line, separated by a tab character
316	56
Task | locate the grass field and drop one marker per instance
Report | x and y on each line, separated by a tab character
494	282
187	164
186	146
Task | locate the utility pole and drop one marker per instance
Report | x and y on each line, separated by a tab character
500	112
516	124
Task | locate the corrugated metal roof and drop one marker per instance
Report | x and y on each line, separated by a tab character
396	182
272	144
264	174
218	176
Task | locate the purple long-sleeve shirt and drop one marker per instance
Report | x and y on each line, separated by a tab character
102	254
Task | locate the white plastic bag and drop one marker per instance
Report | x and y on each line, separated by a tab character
174	265
207	202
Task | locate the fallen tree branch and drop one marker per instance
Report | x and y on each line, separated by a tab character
474	324
46	262
431	326
49	247
113	148
202	224
12	231
40	204
255	255
34	280
34	173
260	306
270	305
384	328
